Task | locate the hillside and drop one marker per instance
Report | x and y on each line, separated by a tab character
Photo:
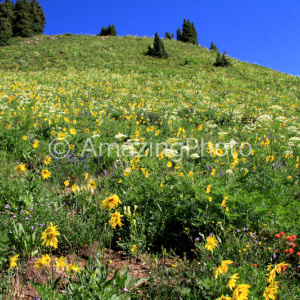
84	91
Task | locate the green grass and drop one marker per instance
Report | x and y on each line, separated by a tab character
51	84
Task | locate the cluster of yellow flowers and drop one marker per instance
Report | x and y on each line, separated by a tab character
49	237
45	260
222	269
112	202
91	184
272	288
45	173
241	291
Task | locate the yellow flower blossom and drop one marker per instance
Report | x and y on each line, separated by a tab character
21	168
111	201
115	219
49	236
13	260
211	243
232	281
45	174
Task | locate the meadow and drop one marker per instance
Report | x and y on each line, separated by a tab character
190	168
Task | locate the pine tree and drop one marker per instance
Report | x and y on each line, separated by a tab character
189	33
158	49
103	31
23	23
113	30
222	60
225	60
158	44
6	18
172	36
168	35
213	47
178	35
110	30
184	31
218	62
195	35
38	17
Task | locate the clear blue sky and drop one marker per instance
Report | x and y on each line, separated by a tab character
257	31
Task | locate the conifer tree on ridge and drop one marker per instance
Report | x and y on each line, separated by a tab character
6	19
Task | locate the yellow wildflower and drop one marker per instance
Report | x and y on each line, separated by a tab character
60	262
73	131
111	201
21	168
92	184
232	281
49	236
35	144
45	174
208	189
47	160
115	219
211	243
12	262
241	292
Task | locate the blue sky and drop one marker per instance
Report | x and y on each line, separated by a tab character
257	31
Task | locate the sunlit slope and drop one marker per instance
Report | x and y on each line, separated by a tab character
118	60
109	86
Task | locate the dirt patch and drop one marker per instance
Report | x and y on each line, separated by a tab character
139	267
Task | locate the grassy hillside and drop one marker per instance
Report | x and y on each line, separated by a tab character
83	91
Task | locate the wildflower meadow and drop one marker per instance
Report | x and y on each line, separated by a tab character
125	176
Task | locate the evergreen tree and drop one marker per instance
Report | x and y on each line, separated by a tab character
218	62
189	33
168	36
6	19
113	31
158	49
110	30
103	31
38	17
172	36
195	35
213	47
178	34
184	31
225	60
222	60
23	23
